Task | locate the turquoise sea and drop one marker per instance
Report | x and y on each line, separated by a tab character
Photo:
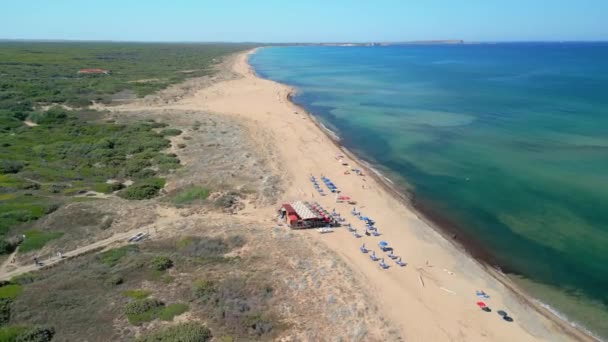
506	145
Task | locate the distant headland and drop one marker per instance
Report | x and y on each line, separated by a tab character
415	42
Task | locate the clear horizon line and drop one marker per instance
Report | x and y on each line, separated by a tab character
301	42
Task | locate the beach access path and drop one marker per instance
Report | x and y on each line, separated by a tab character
7	271
433	297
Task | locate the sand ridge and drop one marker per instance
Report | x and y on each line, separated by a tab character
433	297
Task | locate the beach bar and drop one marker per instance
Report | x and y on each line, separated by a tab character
301	215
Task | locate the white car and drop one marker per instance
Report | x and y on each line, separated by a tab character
137	237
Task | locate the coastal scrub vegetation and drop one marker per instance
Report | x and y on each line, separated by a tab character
186	332
145	310
225	292
189	195
55	151
67	156
53	147
46	73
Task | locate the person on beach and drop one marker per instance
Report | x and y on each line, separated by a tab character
36	261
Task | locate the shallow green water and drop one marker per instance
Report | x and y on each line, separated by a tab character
508	140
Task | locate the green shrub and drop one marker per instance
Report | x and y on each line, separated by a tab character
257	324
114	280
10	291
203	289
170	311
189	195
138	307
10	333
56	188
161	263
36	239
6	247
113	256
134	166
10	166
54	115
136	294
107	188
170	132
8	122
158	124
25	278
180	145
144	310
144	173
5	310
167	161
184	332
145	189
37	334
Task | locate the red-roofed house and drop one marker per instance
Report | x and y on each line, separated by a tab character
94	71
290	215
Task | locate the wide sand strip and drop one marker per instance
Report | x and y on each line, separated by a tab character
433	297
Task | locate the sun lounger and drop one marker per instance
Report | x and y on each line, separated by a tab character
481	294
325	230
400	263
363	249
383	265
375	233
373	256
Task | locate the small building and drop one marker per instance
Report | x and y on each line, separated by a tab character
94	71
299	215
289	214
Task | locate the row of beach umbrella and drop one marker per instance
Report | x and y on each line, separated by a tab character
313	180
329	184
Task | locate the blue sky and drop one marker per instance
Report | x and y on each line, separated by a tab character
305	21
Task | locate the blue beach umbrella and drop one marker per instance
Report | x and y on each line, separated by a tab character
382	243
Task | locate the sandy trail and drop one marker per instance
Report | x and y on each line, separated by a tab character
7	274
433	297
158	228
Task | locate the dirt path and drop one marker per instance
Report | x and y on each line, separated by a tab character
6	274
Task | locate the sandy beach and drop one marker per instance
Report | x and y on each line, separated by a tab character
433	297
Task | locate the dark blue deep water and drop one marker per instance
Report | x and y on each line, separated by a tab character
510	141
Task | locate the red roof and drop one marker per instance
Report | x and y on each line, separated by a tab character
92	71
289	209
